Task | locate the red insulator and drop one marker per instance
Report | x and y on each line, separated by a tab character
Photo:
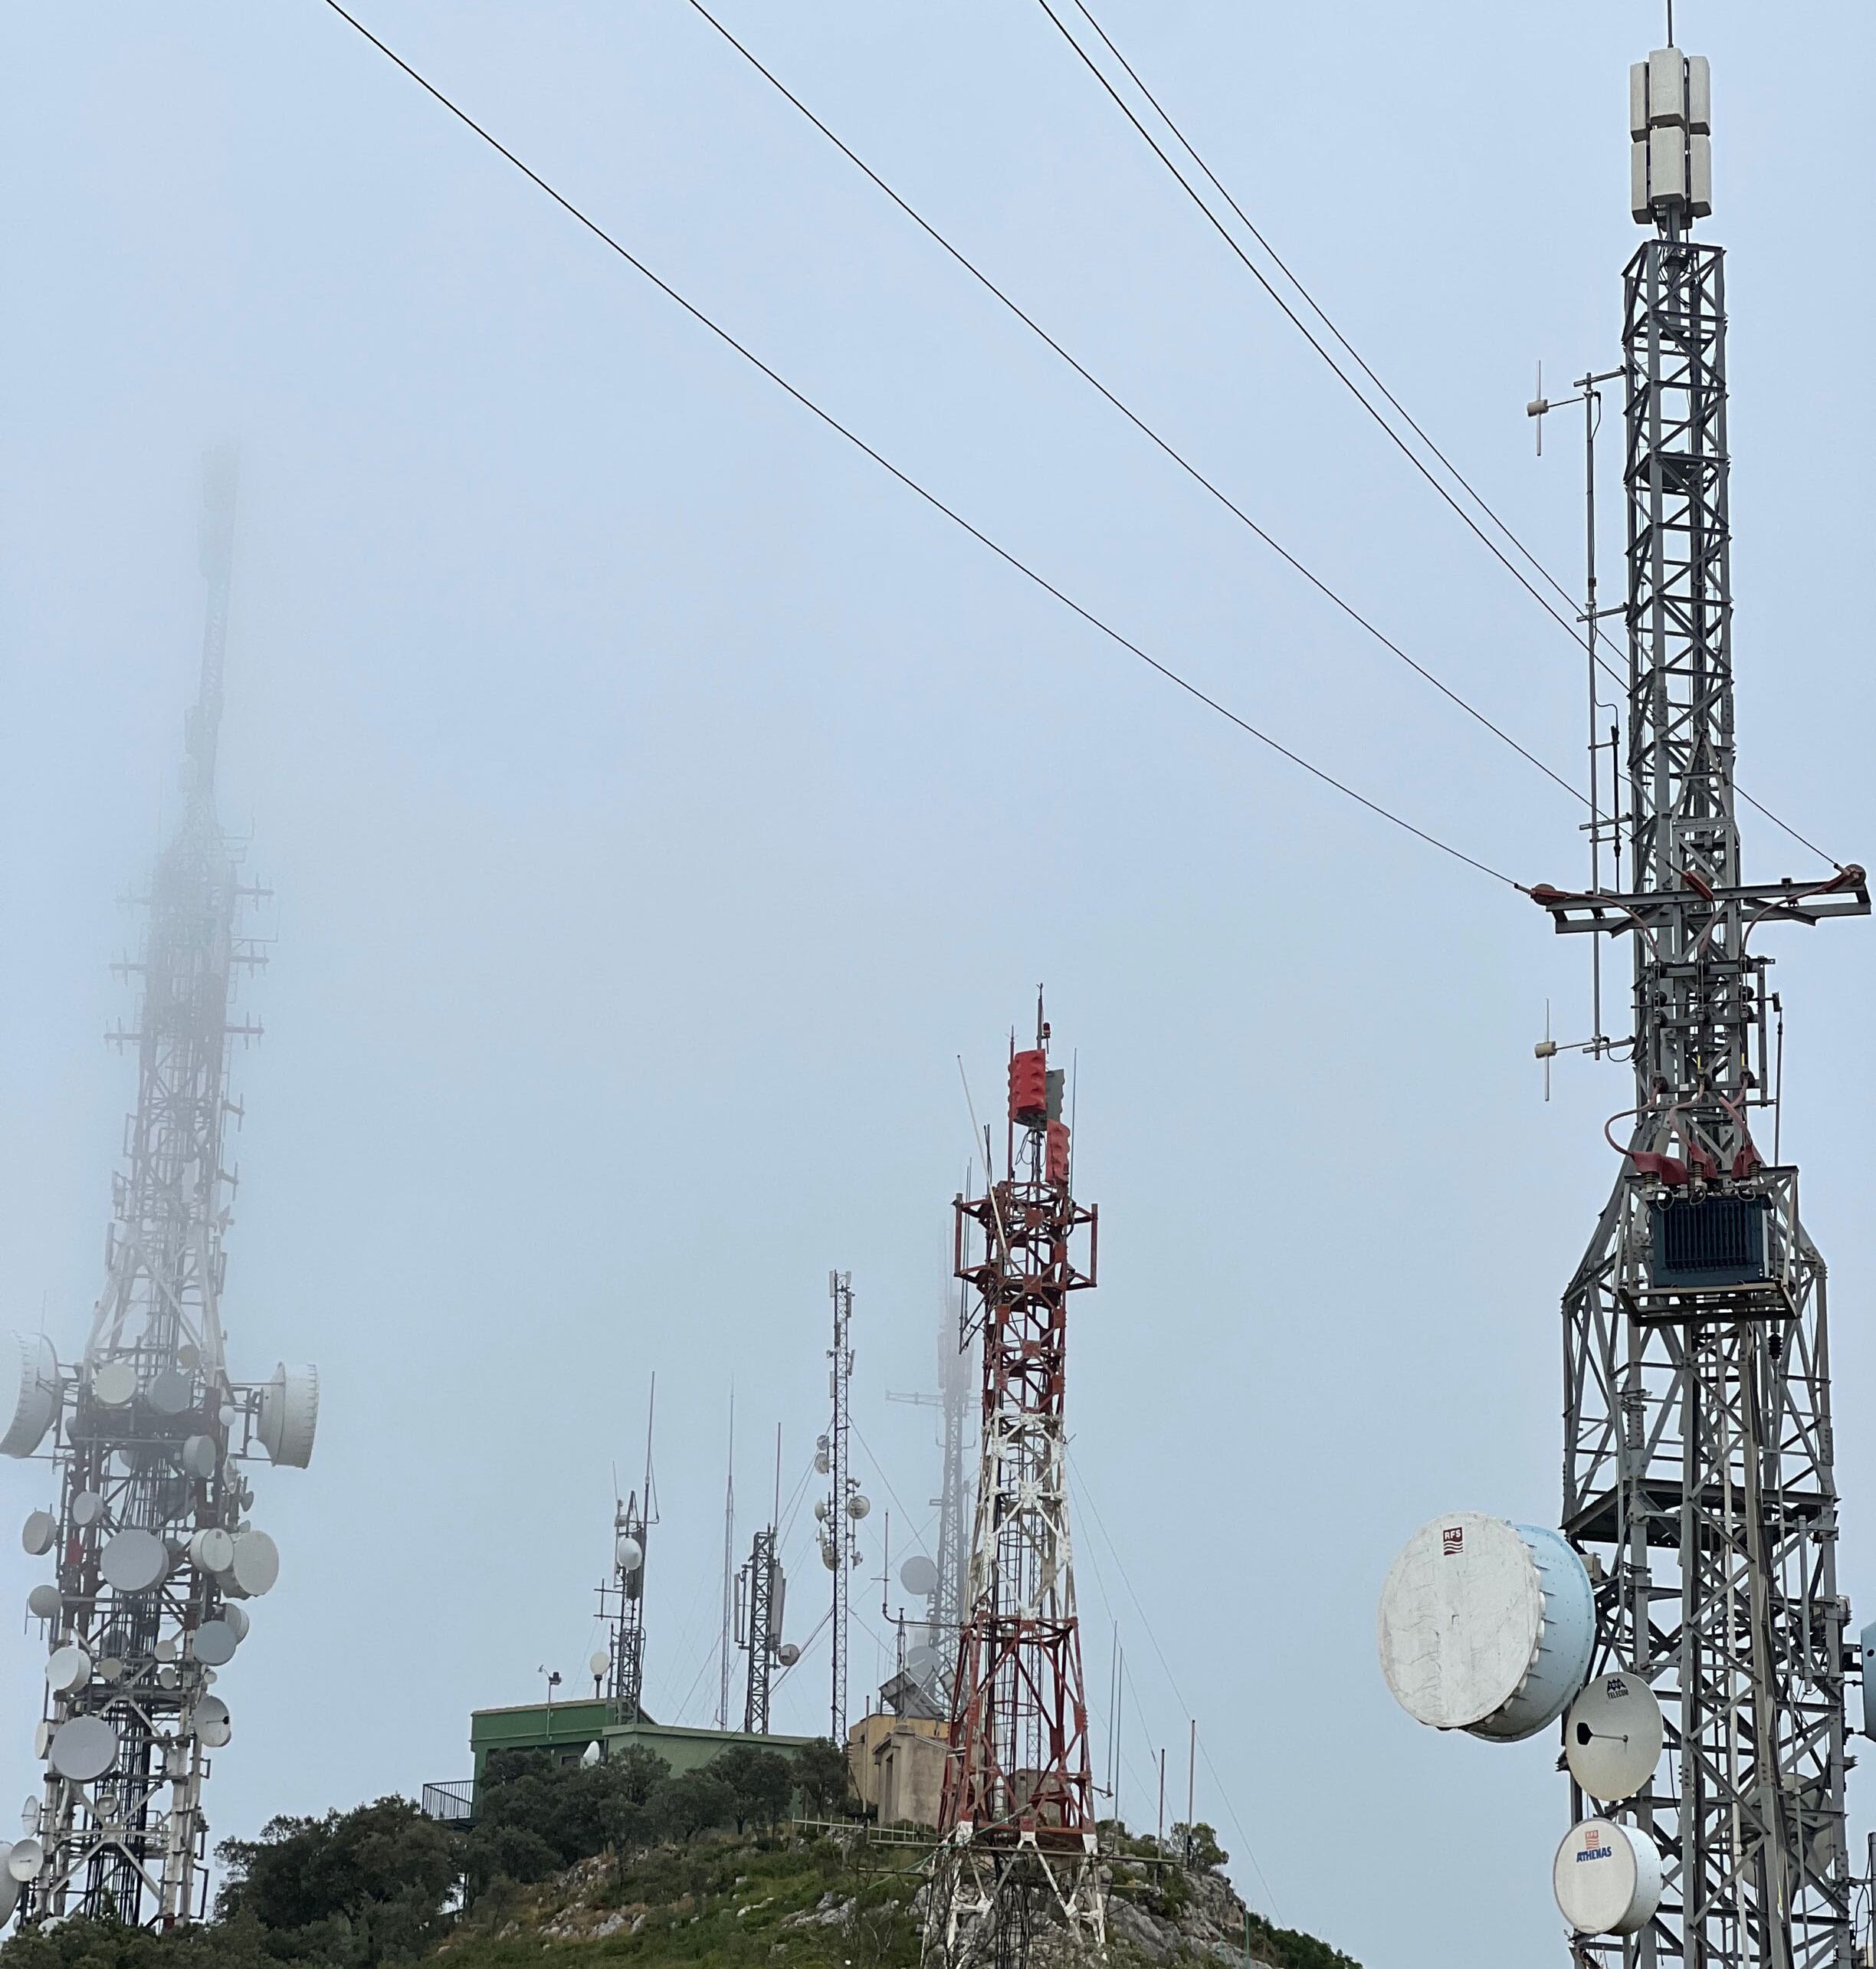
1028	1087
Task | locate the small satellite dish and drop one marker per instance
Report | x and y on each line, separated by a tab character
589	1756
599	1662
1612	1739
1608	1878
110	1669
289	1416
828	1556
822	1465
67	1668
84	1748
9	1889
787	1654
820	1509
210	1722
922	1660
29	1818
171	1393
919	1575
858	1506
257	1563
133	1561
188	1354
25	1859
38	1532
212	1550
214	1643
42	1738
628	1554
167	1648
29	1372
44	1602
114	1383
87	1507
169	1676
237	1620
198	1457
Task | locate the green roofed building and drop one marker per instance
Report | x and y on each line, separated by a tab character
563	1729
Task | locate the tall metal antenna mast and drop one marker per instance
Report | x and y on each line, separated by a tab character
726	1638
621	1600
844	1506
150	1534
1698	1449
1017	1823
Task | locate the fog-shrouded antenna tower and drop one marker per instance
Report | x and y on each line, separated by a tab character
147	1528
839	1513
622	1599
940	1580
1017	1827
1698	1452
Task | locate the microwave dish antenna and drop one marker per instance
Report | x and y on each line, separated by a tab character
1612	1736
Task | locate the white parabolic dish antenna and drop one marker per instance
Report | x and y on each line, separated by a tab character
38	1533
598	1663
133	1561
289	1416
1486	1627
210	1722
82	1748
919	1575
1608	1878
629	1553
256	1562
9	1889
67	1667
114	1383
44	1602
214	1643
787	1654
1613	1740
25	1860
212	1549
29	1373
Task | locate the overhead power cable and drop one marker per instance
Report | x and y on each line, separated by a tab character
1568	623
911	484
1132	417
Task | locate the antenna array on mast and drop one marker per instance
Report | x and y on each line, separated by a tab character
154	1552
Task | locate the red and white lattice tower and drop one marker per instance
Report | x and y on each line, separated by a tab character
1017	1846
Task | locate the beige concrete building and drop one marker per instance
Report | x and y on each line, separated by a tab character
898	1767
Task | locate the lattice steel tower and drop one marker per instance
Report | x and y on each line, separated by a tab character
150	1533
1017	1824
1698	1450
844	1506
622	1597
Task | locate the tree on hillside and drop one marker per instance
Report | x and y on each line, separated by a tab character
534	1816
761	1783
1200	1845
681	1807
821	1771
357	1886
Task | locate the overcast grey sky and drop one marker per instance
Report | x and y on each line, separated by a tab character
659	800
